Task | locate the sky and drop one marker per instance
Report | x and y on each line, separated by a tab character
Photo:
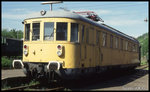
127	17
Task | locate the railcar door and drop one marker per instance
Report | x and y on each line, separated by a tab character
91	48
97	52
83	45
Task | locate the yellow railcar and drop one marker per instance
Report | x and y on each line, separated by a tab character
67	45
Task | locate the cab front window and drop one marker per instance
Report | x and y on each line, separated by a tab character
49	31
61	31
27	32
36	31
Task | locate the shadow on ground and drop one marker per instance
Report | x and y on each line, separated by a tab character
100	81
14	82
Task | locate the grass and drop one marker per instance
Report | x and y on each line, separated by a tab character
33	82
7	62
7	86
146	68
144	62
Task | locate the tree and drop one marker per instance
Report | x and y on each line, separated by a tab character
144	44
13	33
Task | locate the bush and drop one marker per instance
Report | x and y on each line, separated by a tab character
6	62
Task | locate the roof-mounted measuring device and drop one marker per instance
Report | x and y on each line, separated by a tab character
91	15
52	2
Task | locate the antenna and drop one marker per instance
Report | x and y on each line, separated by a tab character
51	2
146	20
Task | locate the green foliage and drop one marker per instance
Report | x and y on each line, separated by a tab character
146	68
6	62
144	45
13	33
5	86
144	62
33	82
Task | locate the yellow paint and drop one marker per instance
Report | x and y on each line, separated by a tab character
76	54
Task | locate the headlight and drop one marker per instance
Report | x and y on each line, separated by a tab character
59	53
25	52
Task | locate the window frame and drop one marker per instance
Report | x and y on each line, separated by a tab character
33	31
126	45
111	41
116	42
75	40
83	33
97	37
26	32
87	35
121	43
49	35
104	39
66	39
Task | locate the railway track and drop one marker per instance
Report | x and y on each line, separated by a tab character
33	88
20	88
15	84
105	77
48	89
142	66
38	87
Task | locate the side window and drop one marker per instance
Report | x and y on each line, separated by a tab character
126	45
27	32
36	31
137	48
82	34
116	44
87	35
129	46
61	32
121	44
74	32
49	31
91	36
111	41
104	39
97	37
133	48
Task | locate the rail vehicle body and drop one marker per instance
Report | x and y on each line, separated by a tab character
67	45
11	47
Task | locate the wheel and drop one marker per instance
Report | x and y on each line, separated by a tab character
27	73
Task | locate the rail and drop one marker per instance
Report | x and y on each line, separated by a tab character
49	89
27	88
142	67
20	87
34	87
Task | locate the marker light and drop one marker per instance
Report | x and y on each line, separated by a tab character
25	51
59	50
25	46
59	47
